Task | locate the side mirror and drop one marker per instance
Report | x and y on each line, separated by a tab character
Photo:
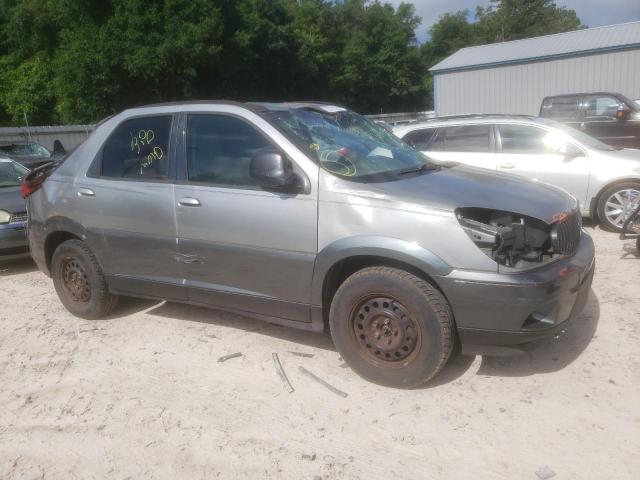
570	151
623	113
272	170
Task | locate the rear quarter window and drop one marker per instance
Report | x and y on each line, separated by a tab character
138	148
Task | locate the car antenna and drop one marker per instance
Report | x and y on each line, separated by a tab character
27	124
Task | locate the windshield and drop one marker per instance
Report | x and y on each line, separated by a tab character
25	150
11	173
348	145
577	135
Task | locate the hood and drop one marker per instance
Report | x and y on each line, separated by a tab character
462	186
11	200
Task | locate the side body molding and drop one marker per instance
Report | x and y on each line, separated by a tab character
370	245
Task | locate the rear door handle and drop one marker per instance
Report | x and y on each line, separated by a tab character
189	202
86	192
507	165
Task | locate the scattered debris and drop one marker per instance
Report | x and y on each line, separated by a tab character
281	374
545	472
301	354
228	357
322	382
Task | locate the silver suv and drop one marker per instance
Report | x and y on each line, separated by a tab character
309	215
605	179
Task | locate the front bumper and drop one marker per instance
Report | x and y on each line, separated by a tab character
13	241
500	314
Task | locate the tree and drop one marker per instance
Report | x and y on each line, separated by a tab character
515	19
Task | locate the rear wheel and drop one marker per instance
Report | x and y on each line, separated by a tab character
391	327
79	281
616	203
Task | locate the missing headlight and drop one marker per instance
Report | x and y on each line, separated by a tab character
511	239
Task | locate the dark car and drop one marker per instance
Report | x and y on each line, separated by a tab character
13	212
610	117
29	154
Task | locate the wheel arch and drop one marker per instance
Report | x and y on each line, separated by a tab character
59	230
344	257
595	200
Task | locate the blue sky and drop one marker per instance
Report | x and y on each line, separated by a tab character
593	13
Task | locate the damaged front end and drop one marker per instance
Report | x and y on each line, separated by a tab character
520	241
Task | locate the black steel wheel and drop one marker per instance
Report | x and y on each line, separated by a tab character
391	327
75	280
79	281
385	330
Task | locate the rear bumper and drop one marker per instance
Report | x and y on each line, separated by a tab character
500	314
13	241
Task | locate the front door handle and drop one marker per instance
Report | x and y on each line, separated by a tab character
507	165
86	192
189	202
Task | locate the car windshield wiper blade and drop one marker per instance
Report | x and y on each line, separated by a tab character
417	168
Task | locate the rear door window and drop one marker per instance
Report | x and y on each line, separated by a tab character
522	139
138	148
420	139
561	108
465	138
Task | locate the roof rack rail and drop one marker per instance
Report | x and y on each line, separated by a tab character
478	115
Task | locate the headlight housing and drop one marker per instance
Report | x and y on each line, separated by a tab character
5	217
510	239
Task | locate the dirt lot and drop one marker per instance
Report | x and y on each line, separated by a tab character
141	395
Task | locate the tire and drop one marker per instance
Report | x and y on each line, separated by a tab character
608	200
391	327
79	281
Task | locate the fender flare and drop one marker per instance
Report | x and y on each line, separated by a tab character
378	246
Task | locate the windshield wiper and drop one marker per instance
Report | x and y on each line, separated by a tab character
418	168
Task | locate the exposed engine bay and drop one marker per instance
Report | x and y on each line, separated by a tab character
511	239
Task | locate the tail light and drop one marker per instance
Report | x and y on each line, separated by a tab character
33	181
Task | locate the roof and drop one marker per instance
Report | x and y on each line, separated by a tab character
569	44
471	119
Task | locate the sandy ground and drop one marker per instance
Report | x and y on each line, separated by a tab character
141	395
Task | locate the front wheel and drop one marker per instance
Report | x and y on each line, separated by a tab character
616	204
79	281
391	327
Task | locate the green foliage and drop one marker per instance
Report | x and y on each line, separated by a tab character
503	20
514	19
69	61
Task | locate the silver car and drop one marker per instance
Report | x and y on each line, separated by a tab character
605	179
311	216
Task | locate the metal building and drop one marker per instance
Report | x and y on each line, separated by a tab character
514	77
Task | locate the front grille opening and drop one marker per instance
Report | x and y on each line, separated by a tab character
19	217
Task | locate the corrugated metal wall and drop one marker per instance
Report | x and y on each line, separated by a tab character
521	88
71	136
